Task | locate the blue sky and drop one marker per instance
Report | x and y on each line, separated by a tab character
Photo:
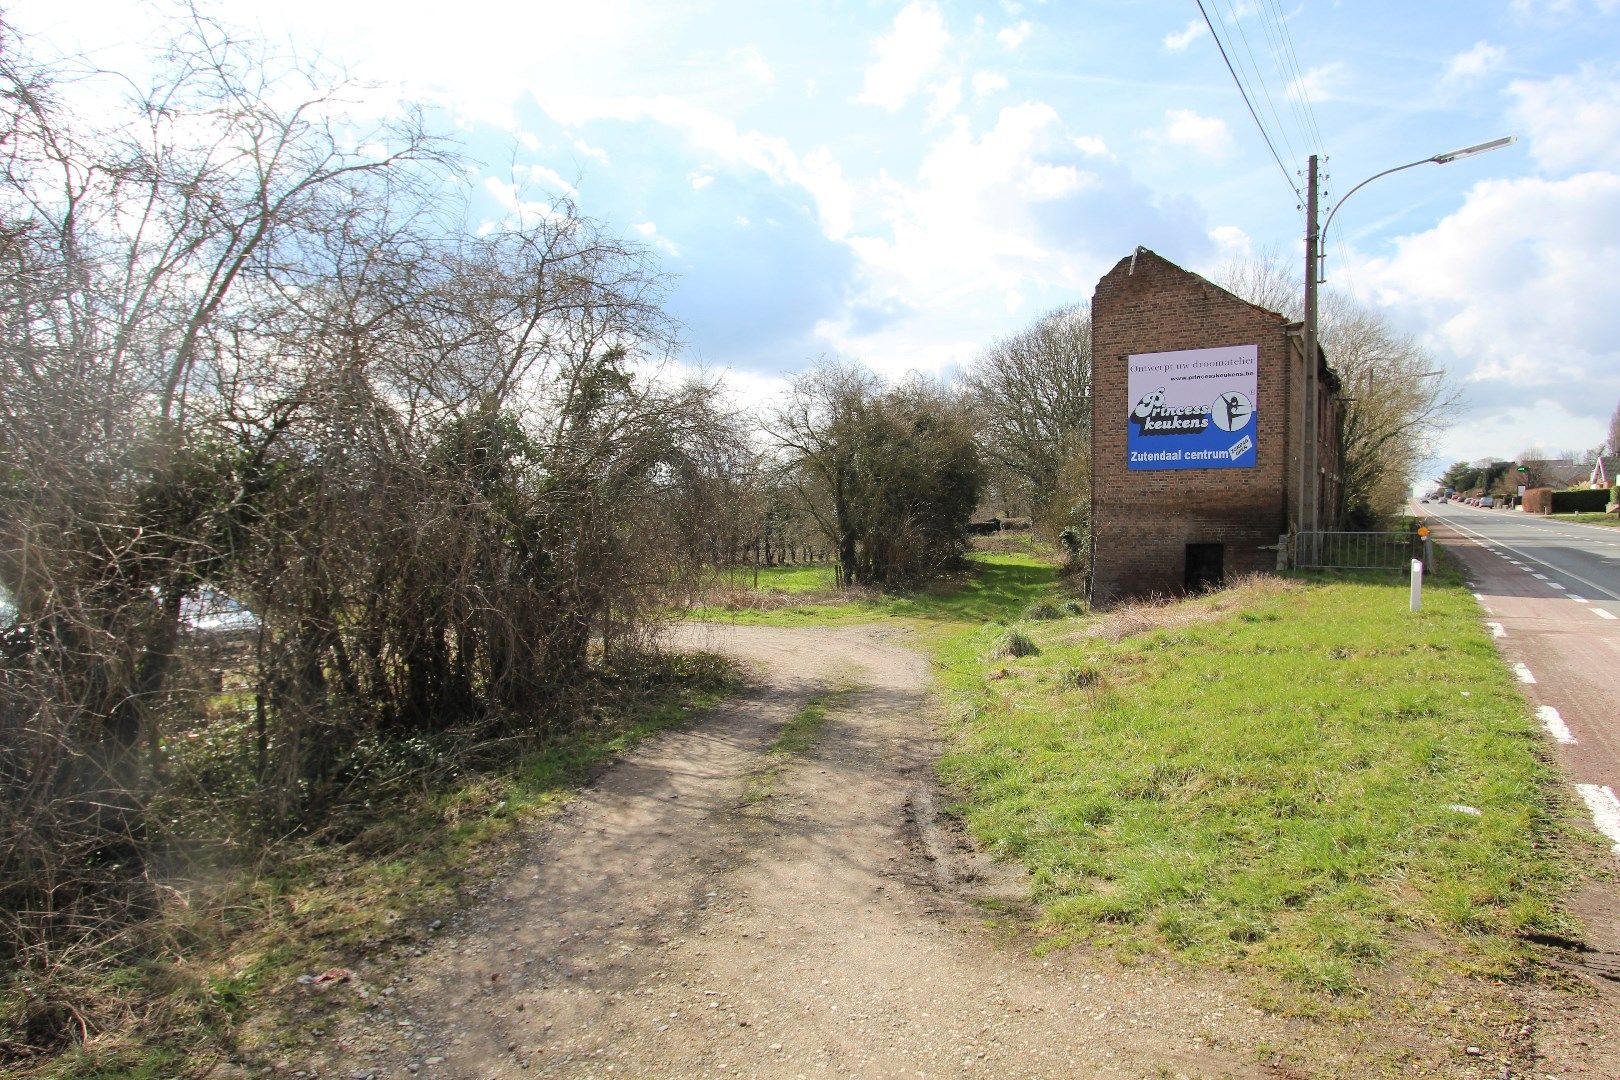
902	183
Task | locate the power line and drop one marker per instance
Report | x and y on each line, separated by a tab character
1290	57
1259	78
1264	134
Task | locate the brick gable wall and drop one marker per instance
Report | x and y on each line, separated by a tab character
1144	520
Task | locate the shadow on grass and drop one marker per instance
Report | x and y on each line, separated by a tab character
997	587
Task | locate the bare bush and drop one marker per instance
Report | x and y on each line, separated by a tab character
890	475
246	352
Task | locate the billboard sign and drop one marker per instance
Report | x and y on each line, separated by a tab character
1193	409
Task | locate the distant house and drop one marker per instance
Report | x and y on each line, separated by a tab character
1605	472
1556	474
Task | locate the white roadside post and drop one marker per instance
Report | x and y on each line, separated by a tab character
1417	584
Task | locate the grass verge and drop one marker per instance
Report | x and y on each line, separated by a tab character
1298	779
1589	518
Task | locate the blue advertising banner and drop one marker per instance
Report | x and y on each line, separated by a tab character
1193	409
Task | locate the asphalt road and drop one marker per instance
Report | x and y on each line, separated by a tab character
1551	595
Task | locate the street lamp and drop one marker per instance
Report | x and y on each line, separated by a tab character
1309	511
1439	159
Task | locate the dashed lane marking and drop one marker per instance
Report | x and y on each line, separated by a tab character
1523	673
1579	599
1555	725
1555	585
1496	629
1605	810
1600	613
1594	586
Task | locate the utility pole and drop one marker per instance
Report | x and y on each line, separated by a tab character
1309	512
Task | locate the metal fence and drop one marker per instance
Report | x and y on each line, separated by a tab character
1355	550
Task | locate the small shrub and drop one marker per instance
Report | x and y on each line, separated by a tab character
1080	676
1014	643
1074	607
1043	609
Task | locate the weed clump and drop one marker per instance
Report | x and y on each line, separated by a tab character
1014	643
1080	676
1043	609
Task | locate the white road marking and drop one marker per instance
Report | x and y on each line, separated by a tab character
1594	586
1555	725
1605	810
1600	613
1555	585
1541	577
1579	599
1496	629
1523	673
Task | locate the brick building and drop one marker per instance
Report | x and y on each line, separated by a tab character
1195	437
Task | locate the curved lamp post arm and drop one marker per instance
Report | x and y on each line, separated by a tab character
1438	159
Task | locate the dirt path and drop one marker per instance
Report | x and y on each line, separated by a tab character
687	918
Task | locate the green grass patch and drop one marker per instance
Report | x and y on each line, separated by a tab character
1266	779
799	735
797	738
1589	518
797	579
994	586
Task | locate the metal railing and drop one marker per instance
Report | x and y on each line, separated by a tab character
1354	550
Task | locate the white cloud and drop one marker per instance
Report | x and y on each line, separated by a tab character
752	62
818	171
1513	294
700	180
649	230
1205	135
905	56
1092	146
946	100
540	174
1500	431
520	212
986	83
1188	34
591	151
1319	83
1551	245
1046	182
970	205
1232	244
1572	121
1015	35
1481	59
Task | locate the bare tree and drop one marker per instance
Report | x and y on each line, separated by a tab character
1396	398
891	476
1030	396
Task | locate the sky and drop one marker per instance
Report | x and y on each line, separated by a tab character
902	184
